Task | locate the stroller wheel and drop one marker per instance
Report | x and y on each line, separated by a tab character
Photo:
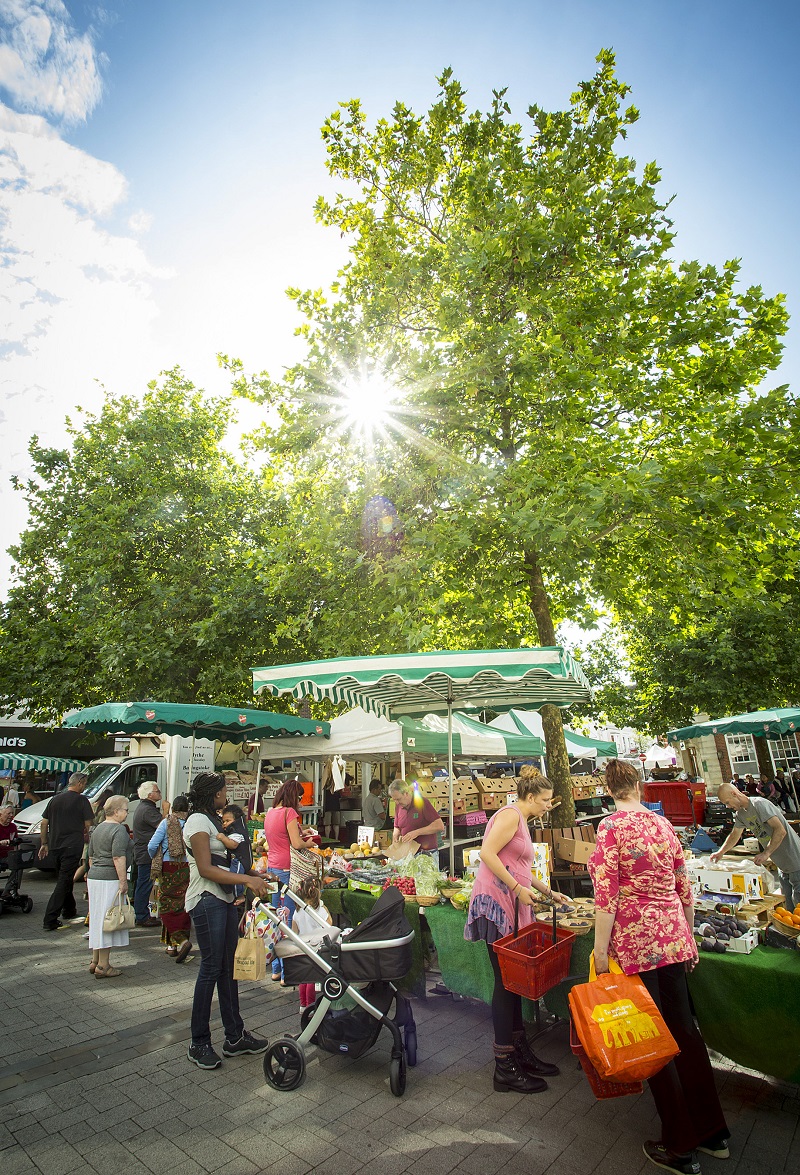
27	905
397	1074
411	1044
285	1064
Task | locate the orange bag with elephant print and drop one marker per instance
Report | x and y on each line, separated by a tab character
620	1027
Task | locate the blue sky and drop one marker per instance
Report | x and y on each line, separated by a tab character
161	158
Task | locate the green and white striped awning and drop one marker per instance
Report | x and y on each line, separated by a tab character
39	763
416	684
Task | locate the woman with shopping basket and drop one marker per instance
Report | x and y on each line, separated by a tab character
503	894
644	916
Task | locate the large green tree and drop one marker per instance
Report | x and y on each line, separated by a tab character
155	564
581	418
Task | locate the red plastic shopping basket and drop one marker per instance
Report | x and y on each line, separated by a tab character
534	959
600	1087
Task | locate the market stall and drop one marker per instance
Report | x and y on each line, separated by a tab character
442	682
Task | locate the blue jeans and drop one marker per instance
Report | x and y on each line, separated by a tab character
790	884
216	927
283	877
141	895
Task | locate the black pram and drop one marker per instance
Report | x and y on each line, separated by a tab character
377	952
20	856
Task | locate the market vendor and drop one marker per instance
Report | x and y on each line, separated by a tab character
779	842
415	819
374	810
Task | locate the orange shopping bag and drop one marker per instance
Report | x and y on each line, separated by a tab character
620	1027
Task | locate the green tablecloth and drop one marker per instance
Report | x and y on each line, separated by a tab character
748	1008
355	906
465	965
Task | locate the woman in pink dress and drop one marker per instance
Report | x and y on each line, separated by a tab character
503	882
644	919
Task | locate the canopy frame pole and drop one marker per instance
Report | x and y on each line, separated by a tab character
450	778
191	761
402	761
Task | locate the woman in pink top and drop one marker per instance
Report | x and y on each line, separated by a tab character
282	832
504	881
644	918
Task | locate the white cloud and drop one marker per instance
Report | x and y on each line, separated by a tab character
140	222
76	300
45	65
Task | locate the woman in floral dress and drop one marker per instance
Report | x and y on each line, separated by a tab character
644	919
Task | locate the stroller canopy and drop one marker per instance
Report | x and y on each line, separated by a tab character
386	920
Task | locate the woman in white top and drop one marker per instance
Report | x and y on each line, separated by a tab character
209	900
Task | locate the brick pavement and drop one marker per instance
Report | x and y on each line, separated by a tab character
94	1078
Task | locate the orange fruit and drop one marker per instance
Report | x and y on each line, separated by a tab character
797	909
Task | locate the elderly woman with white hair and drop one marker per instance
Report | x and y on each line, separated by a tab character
110	855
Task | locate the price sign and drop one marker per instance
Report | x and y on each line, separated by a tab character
365	835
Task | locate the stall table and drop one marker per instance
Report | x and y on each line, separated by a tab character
746	1005
747	1008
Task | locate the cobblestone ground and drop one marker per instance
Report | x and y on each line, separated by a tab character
94	1078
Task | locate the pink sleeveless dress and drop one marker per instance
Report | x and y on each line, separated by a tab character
491	907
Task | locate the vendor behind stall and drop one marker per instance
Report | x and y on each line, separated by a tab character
779	842
416	821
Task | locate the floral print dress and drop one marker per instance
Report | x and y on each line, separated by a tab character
639	876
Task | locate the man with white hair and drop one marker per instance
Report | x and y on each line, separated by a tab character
779	843
65	829
145	822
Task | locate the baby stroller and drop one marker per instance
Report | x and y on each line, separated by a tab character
375	953
20	856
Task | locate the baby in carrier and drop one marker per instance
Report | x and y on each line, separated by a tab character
236	840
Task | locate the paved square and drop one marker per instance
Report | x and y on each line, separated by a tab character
94	1078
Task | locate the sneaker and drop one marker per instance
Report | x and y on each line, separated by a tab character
182	952
247	1043
657	1153
204	1056
55	926
716	1146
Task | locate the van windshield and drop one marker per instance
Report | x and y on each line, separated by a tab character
98	776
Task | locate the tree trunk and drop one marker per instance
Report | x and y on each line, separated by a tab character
763	756
557	758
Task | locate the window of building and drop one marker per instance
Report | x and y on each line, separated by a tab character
742	753
783	751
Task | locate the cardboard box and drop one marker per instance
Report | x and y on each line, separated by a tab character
577	852
384	838
732	881
744	945
493	793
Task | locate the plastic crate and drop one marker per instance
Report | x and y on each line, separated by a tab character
600	1087
531	963
655	806
677	799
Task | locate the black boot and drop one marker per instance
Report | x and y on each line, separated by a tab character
509	1077
528	1061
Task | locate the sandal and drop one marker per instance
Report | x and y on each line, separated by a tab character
107	973
92	968
275	976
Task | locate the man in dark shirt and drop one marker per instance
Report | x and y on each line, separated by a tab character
65	829
146	820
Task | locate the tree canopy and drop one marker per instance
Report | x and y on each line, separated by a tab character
571	401
154	564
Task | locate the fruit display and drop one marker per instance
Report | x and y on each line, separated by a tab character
788	921
714	931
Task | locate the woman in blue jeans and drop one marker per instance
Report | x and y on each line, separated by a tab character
209	900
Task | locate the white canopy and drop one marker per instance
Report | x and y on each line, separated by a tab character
531	720
370	737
